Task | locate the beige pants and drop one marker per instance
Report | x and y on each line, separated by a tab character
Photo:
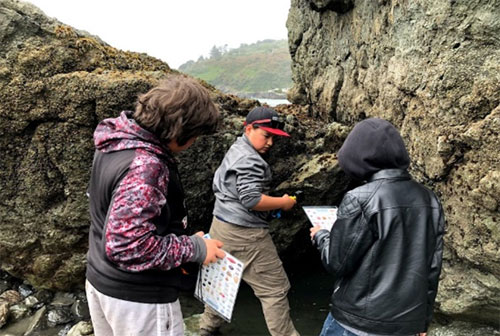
263	271
115	317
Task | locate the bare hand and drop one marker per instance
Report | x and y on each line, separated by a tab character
288	202
422	334
314	230
213	250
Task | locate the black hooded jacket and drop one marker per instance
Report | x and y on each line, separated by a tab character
385	249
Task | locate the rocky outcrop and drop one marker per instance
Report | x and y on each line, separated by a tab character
433	69
56	83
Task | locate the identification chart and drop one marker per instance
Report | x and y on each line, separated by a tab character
324	216
218	284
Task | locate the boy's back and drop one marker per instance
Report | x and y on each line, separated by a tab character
385	249
399	219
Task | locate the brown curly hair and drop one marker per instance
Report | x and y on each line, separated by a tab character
178	108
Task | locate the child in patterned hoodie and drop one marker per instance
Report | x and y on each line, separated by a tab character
138	247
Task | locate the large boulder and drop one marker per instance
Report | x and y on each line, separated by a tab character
55	84
433	69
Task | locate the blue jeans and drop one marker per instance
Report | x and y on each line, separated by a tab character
332	328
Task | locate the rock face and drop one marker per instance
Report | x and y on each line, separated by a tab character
56	84
433	69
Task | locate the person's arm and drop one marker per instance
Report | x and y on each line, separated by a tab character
267	203
321	238
131	241
212	248
343	247
251	176
435	267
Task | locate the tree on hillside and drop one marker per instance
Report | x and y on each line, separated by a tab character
215	53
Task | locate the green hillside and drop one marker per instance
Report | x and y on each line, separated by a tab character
251	70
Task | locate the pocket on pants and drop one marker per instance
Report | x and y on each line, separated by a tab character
266	266
271	277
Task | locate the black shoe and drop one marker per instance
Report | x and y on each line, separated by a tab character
205	332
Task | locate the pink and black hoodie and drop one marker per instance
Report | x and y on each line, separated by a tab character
137	240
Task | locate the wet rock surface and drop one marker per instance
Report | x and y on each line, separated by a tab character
32	312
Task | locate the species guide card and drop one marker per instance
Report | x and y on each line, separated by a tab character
324	216
218	284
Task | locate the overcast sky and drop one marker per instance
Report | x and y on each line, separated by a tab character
175	31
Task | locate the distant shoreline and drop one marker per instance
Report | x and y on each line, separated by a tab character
260	95
271	101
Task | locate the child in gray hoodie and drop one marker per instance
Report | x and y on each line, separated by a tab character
241	213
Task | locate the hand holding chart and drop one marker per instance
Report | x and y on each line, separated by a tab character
218	284
324	216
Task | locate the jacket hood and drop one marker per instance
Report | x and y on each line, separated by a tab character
123	132
372	145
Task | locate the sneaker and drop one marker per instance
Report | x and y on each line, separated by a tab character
205	332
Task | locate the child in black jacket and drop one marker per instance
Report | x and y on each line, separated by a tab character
385	249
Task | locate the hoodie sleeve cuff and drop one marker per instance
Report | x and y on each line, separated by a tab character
320	237
199	250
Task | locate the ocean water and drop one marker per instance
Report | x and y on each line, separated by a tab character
309	305
272	102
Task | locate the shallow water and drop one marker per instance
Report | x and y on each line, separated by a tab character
309	298
309	302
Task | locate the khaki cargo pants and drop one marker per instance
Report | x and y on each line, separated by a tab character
263	272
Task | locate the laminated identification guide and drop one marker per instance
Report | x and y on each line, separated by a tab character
218	284
324	216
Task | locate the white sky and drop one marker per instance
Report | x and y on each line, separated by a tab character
174	31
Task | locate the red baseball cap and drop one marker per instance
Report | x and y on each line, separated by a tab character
267	119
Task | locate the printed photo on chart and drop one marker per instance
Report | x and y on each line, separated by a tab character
324	216
218	284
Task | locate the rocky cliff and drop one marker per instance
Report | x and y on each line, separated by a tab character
433	69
